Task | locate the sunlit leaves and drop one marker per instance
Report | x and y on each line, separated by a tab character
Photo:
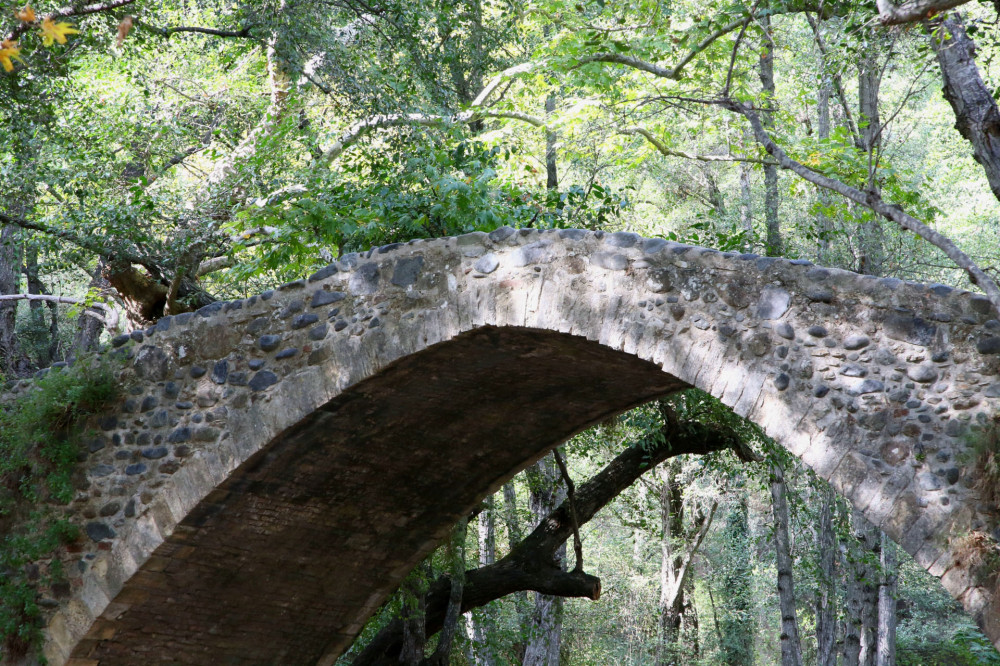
53	32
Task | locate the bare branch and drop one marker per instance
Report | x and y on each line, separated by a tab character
662	148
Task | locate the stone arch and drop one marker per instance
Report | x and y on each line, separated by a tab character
283	461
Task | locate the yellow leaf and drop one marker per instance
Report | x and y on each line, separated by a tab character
9	52
56	32
27	14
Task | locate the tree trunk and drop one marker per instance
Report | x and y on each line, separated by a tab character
791	648
45	336
861	570
826	594
10	283
886	652
824	227
746	196
88	329
482	624
976	115
551	173
456	575
773	245
738	623
871	257
547	492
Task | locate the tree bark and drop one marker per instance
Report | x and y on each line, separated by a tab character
531	563
871	255
826	593
746	197
824	226
483	624
861	570
738	623
545	637
791	648
886	651
773	244
453	611
976	115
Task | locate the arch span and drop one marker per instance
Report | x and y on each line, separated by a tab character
283	461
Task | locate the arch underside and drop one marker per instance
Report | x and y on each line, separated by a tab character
285	560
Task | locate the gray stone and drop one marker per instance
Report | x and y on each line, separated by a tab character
407	270
98	531
501	234
220	372
487	263
853	370
785	330
853	342
989	345
781	381
323	273
773	303
866	386
180	435
622	239
303	320
364	280
155	452
609	260
928	481
136	469
914	330
286	353
269	342
263	380
923	373
539	252
817	331
322	297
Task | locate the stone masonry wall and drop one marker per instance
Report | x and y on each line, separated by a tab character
879	385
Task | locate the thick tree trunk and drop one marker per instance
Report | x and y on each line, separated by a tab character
976	115
773	243
531	563
826	593
791	648
886	652
545	631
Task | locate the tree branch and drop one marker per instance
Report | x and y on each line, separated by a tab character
874	202
531	563
662	148
109	319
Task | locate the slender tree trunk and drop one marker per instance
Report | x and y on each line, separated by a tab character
791	648
482	624
826	594
746	196
773	243
547	492
45	335
861	570
824	226
738	623
871	259
671	590
551	173
456	572
414	619
886	652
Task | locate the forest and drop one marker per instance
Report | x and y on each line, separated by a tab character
158	156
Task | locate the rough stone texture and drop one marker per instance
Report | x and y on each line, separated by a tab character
277	504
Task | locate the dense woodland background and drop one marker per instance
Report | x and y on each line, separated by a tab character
156	156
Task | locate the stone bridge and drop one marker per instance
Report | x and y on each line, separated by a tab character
282	462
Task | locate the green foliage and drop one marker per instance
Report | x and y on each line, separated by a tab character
40	441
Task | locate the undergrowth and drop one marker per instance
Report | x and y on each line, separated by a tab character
41	437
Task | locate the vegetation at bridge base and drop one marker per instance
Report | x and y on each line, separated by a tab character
41	444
